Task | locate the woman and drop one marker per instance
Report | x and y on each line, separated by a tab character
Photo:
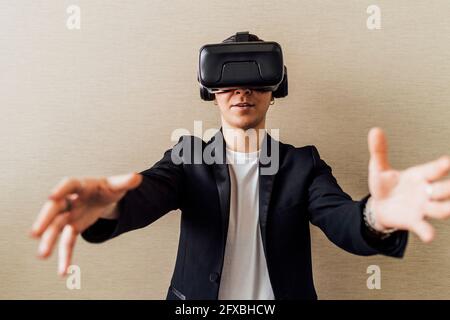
245	235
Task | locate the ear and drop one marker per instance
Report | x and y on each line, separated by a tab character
272	100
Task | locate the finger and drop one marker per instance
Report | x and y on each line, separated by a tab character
48	212
66	187
437	209
51	235
441	190
436	169
424	231
124	182
66	245
378	150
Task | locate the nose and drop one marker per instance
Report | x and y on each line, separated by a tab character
244	91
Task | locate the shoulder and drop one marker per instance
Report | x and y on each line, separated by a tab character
301	151
304	157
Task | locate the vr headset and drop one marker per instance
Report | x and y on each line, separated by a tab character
257	65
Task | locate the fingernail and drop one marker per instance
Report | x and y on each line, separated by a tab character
61	270
42	249
32	233
446	161
117	180
35	227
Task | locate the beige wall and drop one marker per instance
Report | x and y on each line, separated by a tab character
104	100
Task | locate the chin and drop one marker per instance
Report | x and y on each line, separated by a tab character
245	124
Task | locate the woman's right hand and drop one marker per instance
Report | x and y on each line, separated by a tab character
89	199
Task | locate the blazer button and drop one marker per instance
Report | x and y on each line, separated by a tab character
213	277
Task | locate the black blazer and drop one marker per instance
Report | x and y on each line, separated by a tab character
303	190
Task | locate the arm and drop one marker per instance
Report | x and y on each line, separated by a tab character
341	218
160	191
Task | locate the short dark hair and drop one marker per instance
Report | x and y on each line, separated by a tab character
251	37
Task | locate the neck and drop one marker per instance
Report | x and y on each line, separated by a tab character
243	140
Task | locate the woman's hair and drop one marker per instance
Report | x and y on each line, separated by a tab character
252	37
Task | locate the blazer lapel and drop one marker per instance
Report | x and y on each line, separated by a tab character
265	185
222	178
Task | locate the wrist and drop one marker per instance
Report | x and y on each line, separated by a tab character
372	221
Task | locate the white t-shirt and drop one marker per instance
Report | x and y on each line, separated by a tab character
244	273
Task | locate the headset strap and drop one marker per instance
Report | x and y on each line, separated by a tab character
242	36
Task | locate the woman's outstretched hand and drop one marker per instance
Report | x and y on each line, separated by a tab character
405	199
72	206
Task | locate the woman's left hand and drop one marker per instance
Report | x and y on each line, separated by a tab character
405	199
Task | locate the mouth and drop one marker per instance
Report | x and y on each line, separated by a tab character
244	105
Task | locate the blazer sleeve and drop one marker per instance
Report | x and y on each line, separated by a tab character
160	191
341	218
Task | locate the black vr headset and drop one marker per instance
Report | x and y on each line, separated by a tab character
257	65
